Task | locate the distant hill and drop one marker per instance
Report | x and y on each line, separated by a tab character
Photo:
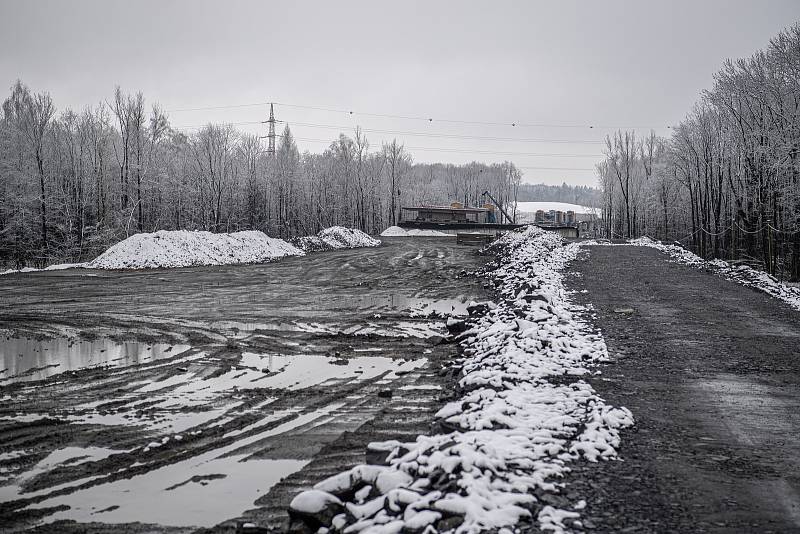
533	207
572	194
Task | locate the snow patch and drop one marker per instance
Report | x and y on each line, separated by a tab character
59	267
396	231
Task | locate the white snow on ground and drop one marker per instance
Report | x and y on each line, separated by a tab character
335	237
524	414
741	274
182	248
58	267
396	231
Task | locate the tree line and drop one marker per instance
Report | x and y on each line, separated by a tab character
72	183
725	183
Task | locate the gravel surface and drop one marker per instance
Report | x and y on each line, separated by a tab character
710	370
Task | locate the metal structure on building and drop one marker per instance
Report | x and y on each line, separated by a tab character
455	217
470	223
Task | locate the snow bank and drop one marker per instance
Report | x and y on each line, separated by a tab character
741	274
59	267
522	415
335	237
183	248
396	231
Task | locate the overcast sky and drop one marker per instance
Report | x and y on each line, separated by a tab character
548	65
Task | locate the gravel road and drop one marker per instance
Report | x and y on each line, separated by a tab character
710	370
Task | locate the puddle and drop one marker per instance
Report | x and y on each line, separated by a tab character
171	396
60	457
30	359
275	371
200	491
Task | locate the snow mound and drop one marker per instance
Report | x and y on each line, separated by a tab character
396	231
523	414
183	248
335	237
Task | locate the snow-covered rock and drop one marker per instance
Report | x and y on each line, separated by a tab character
524	413
315	507
396	231
183	248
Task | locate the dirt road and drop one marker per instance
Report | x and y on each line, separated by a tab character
711	372
206	397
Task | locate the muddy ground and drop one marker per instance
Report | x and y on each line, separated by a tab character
711	372
276	376
172	400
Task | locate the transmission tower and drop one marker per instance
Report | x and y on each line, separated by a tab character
271	135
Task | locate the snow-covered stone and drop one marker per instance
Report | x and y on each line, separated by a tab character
315	507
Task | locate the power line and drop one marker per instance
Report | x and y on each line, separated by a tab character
428	119
414	134
447	136
468	151
470	122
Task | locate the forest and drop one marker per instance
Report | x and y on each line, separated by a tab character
72	183
725	183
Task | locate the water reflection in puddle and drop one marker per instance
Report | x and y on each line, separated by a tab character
200	491
31	359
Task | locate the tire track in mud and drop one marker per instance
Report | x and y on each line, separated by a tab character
240	404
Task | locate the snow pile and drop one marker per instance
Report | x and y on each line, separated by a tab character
523	414
396	231
182	248
741	274
335	237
